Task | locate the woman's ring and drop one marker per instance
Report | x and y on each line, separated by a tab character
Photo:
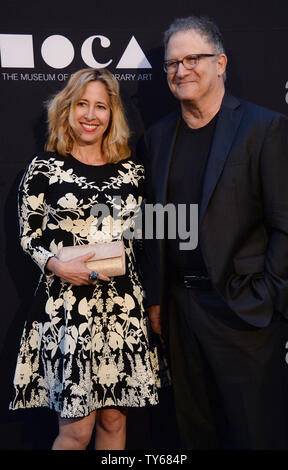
94	276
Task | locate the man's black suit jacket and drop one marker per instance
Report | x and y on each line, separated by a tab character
243	214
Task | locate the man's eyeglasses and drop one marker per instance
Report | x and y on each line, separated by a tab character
189	62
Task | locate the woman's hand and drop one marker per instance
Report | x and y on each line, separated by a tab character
74	271
154	317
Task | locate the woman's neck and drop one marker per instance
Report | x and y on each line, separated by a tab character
89	154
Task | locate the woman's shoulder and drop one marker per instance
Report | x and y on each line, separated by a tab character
44	166
131	163
47	157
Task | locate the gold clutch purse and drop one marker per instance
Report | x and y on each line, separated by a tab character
109	258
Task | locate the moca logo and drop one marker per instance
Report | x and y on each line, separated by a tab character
57	51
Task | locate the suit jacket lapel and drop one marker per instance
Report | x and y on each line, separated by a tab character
227	124
165	155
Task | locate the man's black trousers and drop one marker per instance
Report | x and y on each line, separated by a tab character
230	379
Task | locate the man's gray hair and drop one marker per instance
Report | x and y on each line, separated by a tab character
201	25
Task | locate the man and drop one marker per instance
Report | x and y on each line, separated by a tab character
221	307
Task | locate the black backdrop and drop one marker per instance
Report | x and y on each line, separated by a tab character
41	44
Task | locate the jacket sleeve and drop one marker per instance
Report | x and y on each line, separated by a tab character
274	178
150	253
32	211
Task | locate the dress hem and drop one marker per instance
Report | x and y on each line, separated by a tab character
76	416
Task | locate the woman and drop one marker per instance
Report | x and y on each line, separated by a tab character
84	351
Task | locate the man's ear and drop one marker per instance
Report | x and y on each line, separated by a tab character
221	64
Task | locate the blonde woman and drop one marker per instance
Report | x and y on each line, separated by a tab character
84	351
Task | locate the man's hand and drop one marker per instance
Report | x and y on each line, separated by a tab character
154	317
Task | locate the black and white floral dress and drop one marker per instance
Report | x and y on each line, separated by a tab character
83	347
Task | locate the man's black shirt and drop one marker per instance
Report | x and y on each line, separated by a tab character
184	187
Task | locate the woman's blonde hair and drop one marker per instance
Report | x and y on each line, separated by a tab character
61	136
